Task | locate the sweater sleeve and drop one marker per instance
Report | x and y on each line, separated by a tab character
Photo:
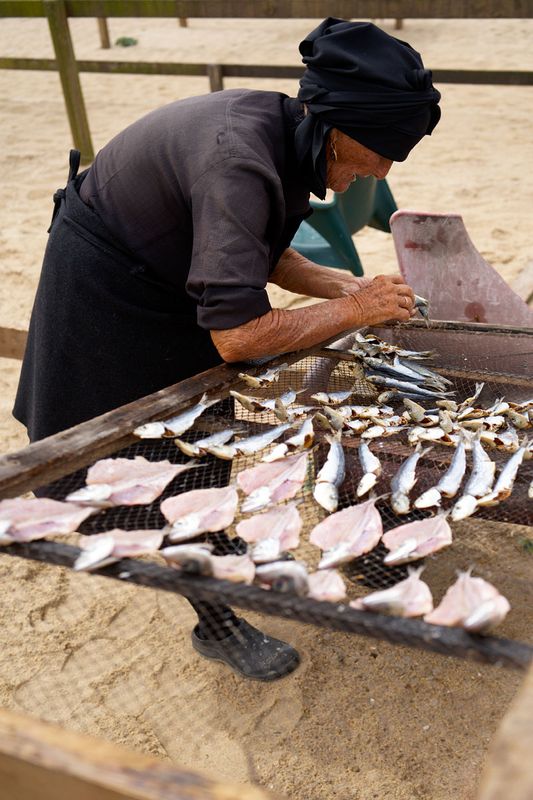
236	206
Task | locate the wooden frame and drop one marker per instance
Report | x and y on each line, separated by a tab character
43	761
58	11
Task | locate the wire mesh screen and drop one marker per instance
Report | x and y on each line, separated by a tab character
114	656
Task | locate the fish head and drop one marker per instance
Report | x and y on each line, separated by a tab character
185	528
266	550
327	496
257	499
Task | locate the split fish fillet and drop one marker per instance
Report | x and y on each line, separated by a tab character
408	598
272	482
199	511
24	520
347	534
327	584
273	532
470	603
417	539
105	548
126	481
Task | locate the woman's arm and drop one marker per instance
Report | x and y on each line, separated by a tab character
297	274
280	331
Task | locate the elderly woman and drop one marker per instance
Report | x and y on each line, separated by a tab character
159	254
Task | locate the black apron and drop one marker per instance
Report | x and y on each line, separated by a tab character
104	331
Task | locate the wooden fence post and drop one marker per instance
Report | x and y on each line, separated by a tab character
103	29
216	81
70	79
182	22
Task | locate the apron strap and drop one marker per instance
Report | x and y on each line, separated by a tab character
73	167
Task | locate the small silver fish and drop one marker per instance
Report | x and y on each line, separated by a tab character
331	398
177	425
422	306
504	484
478	484
371	466
412	388
449	483
253	444
201	446
265	378
404	480
330	476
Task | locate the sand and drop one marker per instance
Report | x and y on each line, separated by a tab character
360	719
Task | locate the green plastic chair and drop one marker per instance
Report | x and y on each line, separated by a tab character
326	237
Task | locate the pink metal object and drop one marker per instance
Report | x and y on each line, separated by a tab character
438	259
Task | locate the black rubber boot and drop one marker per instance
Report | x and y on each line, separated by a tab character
249	652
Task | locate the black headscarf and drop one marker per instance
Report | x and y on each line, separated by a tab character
367	84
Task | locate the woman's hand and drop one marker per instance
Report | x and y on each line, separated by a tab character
385	298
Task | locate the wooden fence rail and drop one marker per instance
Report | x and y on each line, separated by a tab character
279	9
58	11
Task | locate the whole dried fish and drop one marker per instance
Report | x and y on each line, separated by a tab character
371	466
177	425
505	481
404	480
406	386
470	603
269	376
417	539
303	438
347	534
330	476
378	431
202	446
449	484
479	483
199	511
408	598
331	398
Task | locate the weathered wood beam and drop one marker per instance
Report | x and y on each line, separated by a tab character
281	9
395	630
70	79
274	71
103	30
43	761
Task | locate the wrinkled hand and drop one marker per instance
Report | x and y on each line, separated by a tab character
386	298
349	284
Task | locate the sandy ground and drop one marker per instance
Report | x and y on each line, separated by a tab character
360	719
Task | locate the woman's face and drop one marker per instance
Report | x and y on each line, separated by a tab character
353	160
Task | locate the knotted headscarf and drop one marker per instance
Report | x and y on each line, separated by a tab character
367	84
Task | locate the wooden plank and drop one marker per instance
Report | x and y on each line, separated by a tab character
70	80
281	9
12	342
103	30
396	630
480	77
39	761
214	73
